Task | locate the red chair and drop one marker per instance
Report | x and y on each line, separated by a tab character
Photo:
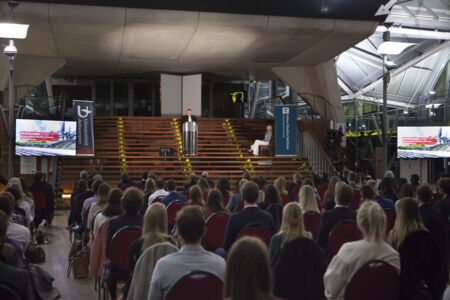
157	200
344	232
285	199
40	203
356	200
390	220
215	230
240	207
321	190
226	200
373	281
311	219
6	293
172	210
119	256
436	198
257	230
197	285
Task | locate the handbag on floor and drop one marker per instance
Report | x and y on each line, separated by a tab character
78	261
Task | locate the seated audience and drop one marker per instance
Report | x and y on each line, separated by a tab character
159	193
330	218
125	182
214	203
96	207
192	181
132	200
280	186
387	189
80	199
327	202
248	274
195	196
82	187
89	201
236	199
443	205
367	194
144	177
245	175
272	204
401	182
206	176
406	191
20	202
154	231
150	188
18	233
292	227
10	252
294	187
415	180
27	196
371	222
223	185
204	185
191	257
351	178
112	208
307	199
250	214
386	204
173	195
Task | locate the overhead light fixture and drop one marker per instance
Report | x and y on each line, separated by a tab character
405	111
393	48
10	49
436	105
432	93
13	31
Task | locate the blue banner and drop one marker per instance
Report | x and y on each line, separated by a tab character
285	130
83	115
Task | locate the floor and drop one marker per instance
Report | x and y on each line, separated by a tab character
56	262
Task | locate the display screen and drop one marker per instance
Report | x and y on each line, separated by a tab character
45	138
423	142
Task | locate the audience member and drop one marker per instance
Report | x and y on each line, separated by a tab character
280	186
245	175
96	207
272	204
389	174
261	182
214	203
408	220
89	201
112	208
125	182
10	252
159	193
173	195
236	199
150	188
81	198
250	214
191	227
248	274
132	200
351	178
144	177
192	181
40	186
371	221
401	182
344	175
154	231
292	227
295	186
307	199
327	202
367	194
18	233
344	196
195	196
386	204
206	176
415	180
443	205
20	202
82	187
387	189
406	191
223	186
204	185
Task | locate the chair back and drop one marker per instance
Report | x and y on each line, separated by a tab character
172	210
285	199
344	232
257	229
391	215
40	201
225	200
215	230
311	219
356	199
321	190
157	200
197	285
6	293
240	206
120	244
86	214
374	280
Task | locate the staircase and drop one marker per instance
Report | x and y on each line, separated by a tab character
131	144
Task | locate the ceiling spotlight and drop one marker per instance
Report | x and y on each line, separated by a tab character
13	31
432	93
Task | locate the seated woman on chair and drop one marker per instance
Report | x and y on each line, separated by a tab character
267	137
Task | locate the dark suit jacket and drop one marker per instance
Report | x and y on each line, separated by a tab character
118	222
329	219
444	206
186	118
241	219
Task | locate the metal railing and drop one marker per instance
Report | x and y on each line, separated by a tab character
309	147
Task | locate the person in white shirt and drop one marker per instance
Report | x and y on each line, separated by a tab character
371	220
160	192
18	233
191	257
254	148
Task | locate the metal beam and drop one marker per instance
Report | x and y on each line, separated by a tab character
358	56
429	10
403	67
416	33
254	99
345	87
368	99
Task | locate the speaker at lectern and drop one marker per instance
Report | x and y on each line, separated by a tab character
190	134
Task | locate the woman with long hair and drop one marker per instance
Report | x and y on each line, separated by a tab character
20	202
195	196
214	203
407	221
272	204
223	186
111	209
248	274
329	193
98	206
204	186
149	188
307	199
406	191
292	227
294	187
280	186
371	221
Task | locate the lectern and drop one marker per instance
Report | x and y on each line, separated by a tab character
190	134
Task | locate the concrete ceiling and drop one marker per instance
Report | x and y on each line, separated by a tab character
115	41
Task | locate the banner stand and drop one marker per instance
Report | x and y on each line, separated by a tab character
83	115
285	130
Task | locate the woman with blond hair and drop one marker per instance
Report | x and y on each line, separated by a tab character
20	202
248	274
307	199
408	220
195	196
292	227
371	221
280	186
154	231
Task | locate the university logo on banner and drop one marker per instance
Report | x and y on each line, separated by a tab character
285	130
83	115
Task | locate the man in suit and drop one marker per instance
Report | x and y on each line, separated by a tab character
173	195
329	219
443	205
250	214
192	256
188	117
